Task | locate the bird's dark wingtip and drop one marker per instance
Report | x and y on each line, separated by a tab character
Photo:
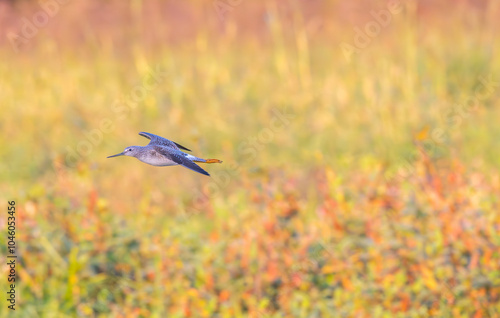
181	146
200	171
144	134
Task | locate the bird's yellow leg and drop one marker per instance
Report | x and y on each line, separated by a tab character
213	161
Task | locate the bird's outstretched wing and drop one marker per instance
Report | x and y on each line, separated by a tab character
177	157
160	141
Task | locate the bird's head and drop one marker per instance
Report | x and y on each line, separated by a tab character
131	151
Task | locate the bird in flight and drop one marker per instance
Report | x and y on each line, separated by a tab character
163	152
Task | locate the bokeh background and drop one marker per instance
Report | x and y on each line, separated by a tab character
360	142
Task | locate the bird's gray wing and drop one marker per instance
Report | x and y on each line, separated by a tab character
178	157
157	140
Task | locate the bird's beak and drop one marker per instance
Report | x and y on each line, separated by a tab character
120	154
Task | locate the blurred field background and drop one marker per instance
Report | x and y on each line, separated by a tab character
361	185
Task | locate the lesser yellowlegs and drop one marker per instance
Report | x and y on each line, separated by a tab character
163	152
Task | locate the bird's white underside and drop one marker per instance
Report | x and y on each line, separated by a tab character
159	162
